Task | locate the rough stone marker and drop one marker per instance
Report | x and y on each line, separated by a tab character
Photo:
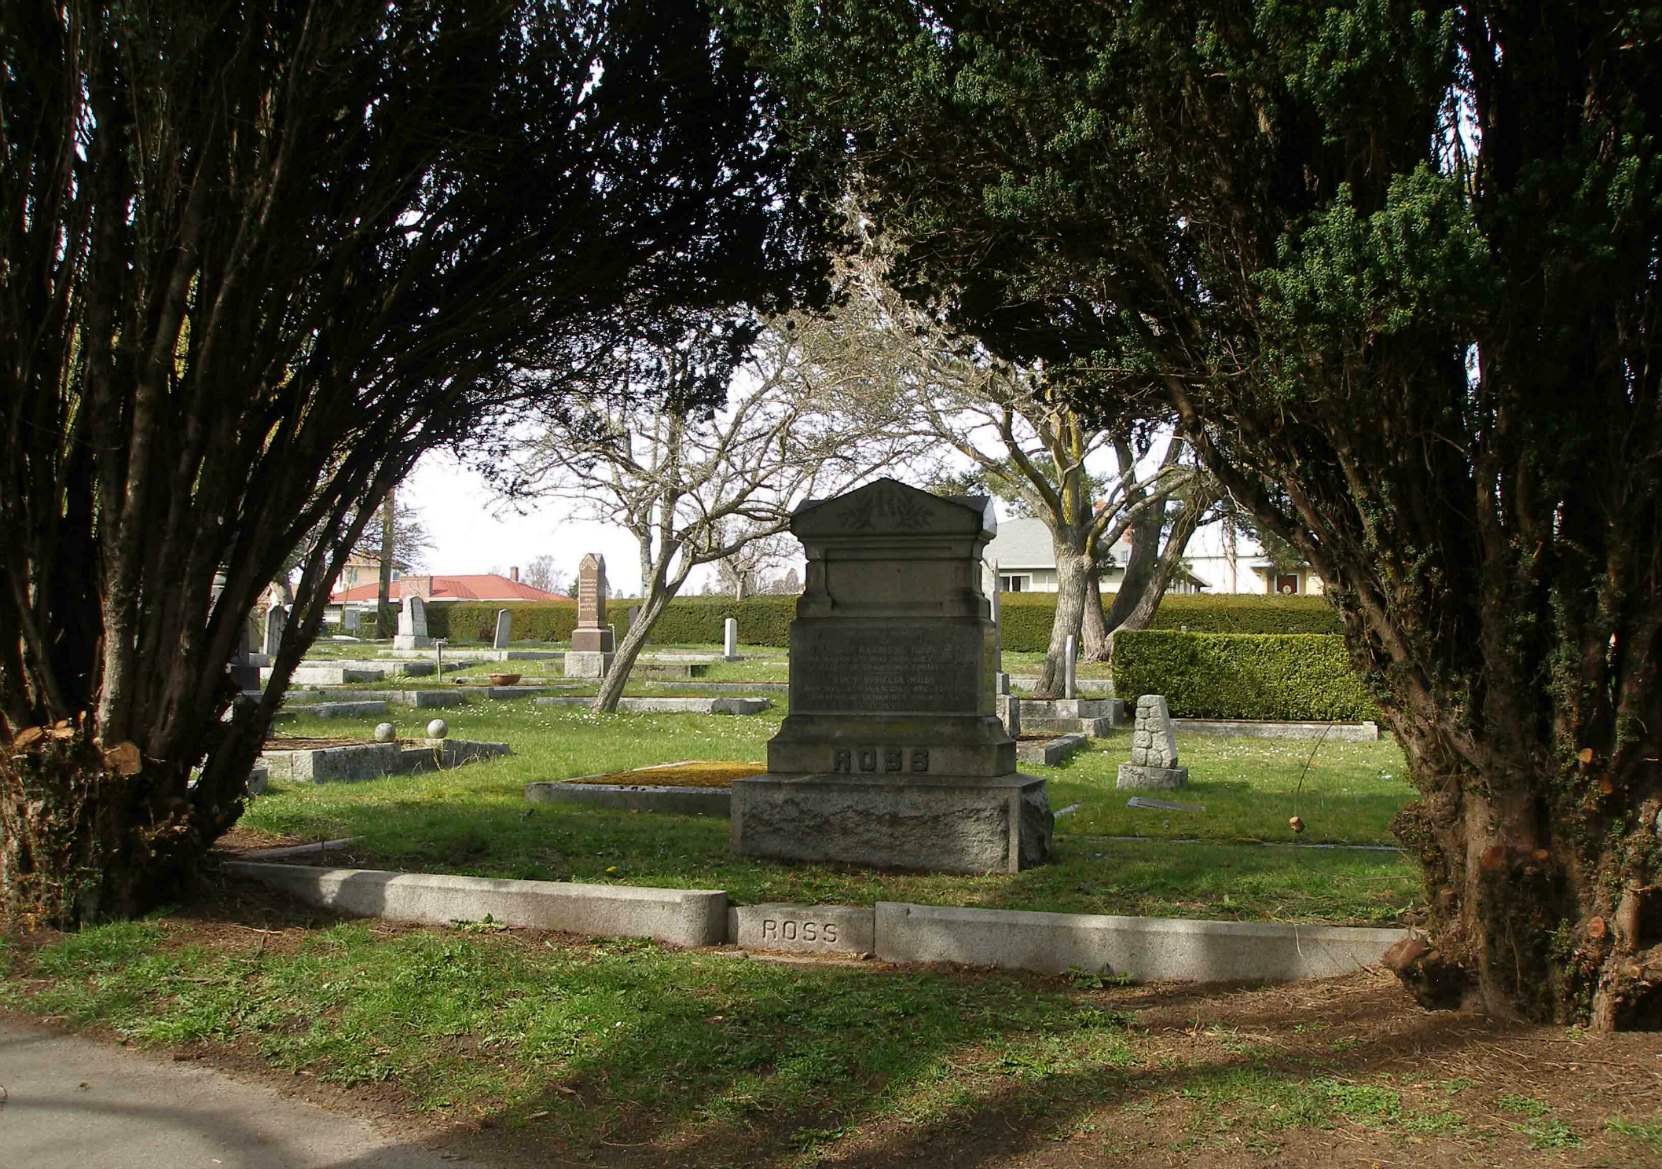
893	754
1153	765
592	642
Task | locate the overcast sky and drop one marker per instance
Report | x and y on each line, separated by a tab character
472	531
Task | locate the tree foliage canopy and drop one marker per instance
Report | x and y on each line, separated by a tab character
1395	266
258	257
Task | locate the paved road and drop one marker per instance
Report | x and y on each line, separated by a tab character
71	1103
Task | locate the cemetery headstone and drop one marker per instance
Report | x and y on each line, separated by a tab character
349	620
1070	668
1153	765
504	626
592	642
412	625
1009	713
892	754
245	675
276	621
730	640
989	588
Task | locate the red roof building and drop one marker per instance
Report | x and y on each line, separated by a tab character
437	590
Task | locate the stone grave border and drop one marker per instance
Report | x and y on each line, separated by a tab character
703	705
1144	949
358	761
1048	752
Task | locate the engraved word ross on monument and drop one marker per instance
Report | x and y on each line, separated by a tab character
892	754
592	641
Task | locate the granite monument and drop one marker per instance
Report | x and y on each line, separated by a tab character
592	641
893	755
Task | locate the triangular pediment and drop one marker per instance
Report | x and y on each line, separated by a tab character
886	507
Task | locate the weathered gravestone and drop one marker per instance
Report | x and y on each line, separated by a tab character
592	640
730	639
245	675
1153	765
349	620
892	755
276	621
412	625
504	627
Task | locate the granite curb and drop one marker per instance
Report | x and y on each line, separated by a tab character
682	917
1145	949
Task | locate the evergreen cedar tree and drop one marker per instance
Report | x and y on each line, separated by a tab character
258	258
1395	268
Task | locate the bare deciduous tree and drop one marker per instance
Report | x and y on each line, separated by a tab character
697	487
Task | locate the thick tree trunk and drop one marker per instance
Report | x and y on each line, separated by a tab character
657	598
1140	612
1093	628
385	624
1074	568
1139	570
1541	923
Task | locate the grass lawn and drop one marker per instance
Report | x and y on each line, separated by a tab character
474	820
519	1048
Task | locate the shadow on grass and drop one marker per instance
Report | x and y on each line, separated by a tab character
905	1089
524	1048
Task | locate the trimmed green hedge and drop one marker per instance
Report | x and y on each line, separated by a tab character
532	620
1027	617
700	620
1236	675
767	620
694	620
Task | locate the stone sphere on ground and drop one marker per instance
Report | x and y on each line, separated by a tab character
438	729
384	732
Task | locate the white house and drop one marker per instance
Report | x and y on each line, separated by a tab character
1026	559
1235	565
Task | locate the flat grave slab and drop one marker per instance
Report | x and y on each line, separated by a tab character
703	705
1047	751
341	761
1362	732
684	788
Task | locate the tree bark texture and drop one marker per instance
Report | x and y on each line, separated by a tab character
1074	568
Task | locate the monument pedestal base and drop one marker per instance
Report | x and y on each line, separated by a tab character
411	641
587	663
1139	777
933	823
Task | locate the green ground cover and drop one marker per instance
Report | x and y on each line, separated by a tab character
540	1049
474	820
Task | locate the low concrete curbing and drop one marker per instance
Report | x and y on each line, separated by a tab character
1146	949
340	709
358	761
682	917
1362	732
720	705
1048	752
677	801
1141	948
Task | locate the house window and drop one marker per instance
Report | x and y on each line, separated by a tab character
1016	582
1286	584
